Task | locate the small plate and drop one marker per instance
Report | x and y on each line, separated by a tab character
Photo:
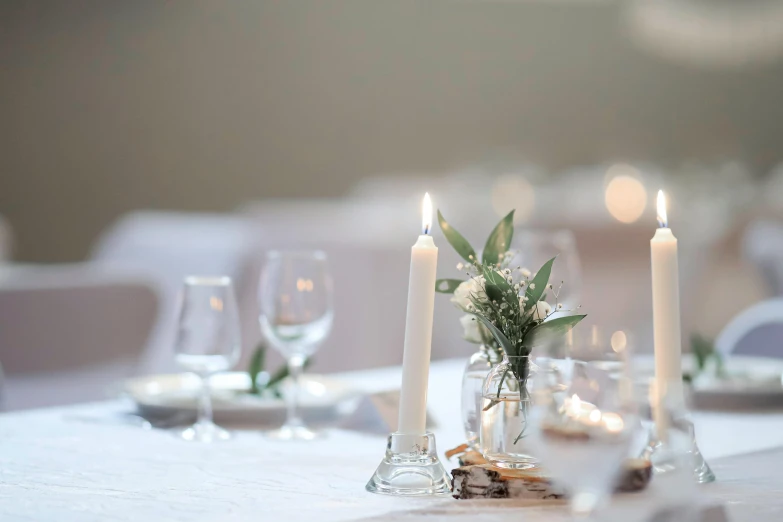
751	382
169	395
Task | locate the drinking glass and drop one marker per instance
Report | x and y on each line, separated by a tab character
582	424
532	248
207	342
295	300
600	344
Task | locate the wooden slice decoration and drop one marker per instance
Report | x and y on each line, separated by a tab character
476	478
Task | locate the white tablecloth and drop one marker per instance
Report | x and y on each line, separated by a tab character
54	467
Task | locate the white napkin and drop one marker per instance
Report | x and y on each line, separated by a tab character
377	413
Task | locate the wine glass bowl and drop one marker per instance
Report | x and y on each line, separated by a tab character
583	422
531	248
295	301
207	342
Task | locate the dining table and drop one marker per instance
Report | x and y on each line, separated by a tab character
84	463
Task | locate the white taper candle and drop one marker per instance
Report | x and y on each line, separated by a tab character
418	329
666	318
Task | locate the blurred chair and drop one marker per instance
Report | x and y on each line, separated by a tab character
763	245
67	337
6	240
168	246
757	331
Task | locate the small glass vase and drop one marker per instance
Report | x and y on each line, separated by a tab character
479	365
505	405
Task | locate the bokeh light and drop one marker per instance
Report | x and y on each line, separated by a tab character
625	195
619	341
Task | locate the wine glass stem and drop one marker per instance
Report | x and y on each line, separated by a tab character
583	505
205	402
295	366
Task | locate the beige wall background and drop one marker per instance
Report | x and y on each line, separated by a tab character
109	105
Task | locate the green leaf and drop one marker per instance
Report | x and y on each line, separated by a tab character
282	373
702	349
456	240
499	336
505	292
539	282
277	377
255	367
549	330
496	278
447	286
499	240
494	293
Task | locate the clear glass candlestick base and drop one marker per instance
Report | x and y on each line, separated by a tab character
681	451
410	468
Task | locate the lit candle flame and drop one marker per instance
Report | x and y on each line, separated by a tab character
663	221
426	214
613	422
575	406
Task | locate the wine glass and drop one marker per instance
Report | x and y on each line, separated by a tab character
296	315
207	342
533	248
582	425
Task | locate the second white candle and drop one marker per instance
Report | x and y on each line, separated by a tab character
666	317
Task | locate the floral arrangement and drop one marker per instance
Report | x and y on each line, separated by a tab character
506	307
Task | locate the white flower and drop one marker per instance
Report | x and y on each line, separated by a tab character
460	266
541	310
532	286
559	306
525	272
472	287
522	300
473	330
